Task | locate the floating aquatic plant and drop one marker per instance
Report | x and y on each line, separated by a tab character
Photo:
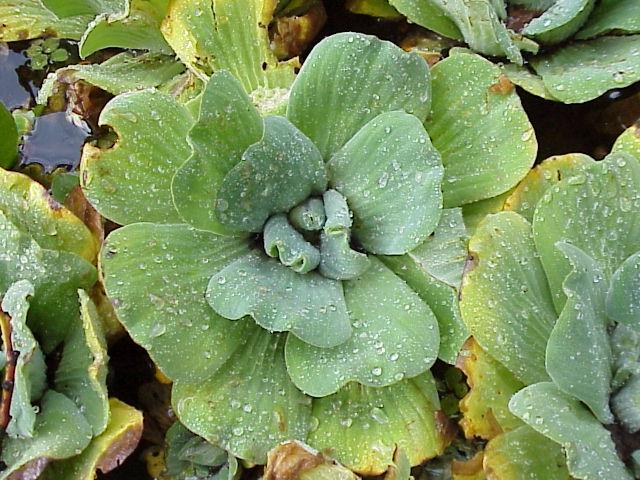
551	299
69	428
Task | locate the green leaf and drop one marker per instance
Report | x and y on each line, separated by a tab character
363	426
523	77
623	298
82	372
428	14
106	451
612	16
249	405
480	128
390	174
310	306
524	453
506	302
156	276
628	141
626	405
349	79
131	181
477	20
30	370
32	210
55	275
560	21
65	8
136	26
591	453
60	432
27	19
226	34
124	72
585	70
309	216
395	335
275	174
595	211
296	460
188	454
474	213
485	408
578	355
531	189
283	241
9	139
227	125
63	184
434	270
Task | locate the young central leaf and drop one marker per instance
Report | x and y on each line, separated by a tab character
275	175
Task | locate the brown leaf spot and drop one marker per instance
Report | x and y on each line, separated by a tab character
503	86
289	460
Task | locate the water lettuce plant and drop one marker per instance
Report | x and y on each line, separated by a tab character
67	428
551	300
283	270
564	50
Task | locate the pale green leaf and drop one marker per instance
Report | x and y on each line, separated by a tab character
66	8
156	277
480	128
275	174
525	453
284	242
363	426
131	181
248	405
523	77
474	213
585	70
560	21
136	26
628	141
227	125
591	453
310	306
612	16
60	432
595	211
578	354
390	174
82	372
505	298
626	405
395	335
623	298
349	79
428	14
27	19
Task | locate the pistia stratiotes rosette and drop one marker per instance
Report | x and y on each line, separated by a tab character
290	257
552	301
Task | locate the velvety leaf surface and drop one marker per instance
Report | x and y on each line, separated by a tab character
506	302
531	189
527	80
210	35
9	139
623	298
156	277
428	14
275	174
474	213
628	141
82	372
55	276
349	79
485	408
590	451
395	335
309	305
559	21
363	426
32	210
226	126
434	270
31	19
249	405
584	70
106	451
124	72
60	432
578	356
619	16
390	174
596	212
131	181
525	453
30	370
64	8
136	26
479	127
